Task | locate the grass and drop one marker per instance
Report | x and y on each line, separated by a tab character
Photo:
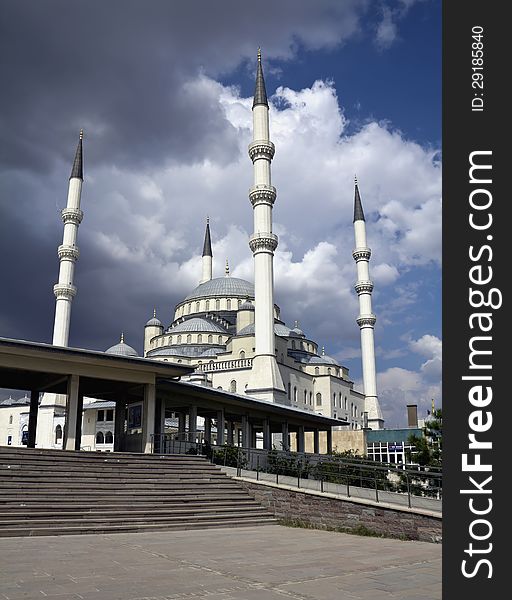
357	530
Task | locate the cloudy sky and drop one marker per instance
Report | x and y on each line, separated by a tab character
163	91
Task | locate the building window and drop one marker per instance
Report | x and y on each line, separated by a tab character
345	403
293	344
232	386
319	399
100	439
310	398
242	353
9	440
58	434
210	339
219	339
339	400
239	303
317	371
305	397
189	339
197	306
109	438
217	304
100	415
179	340
329	370
207	305
199	339
10	419
229	304
295	394
190	307
109	415
289	391
334	399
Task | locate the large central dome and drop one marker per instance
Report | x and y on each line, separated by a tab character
224	287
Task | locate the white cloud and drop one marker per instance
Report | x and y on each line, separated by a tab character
386	29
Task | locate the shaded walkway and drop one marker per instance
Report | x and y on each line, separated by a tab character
263	563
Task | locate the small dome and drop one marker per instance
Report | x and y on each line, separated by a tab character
247	305
323	360
154	322
279	329
222	286
121	349
198	324
297	331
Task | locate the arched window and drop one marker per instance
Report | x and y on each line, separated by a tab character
293	344
351	409
334	399
197	306
319	399
178	341
190	307
295	394
232	386
228	304
207	305
109	438
242	353
305	396
10	419
310	398
210	339
339	399
329	370
100	439
58	434
199	339
220	339
239	303
317	371
189	339
179	360
345	403
289	391
217	304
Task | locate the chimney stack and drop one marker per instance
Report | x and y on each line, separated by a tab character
412	415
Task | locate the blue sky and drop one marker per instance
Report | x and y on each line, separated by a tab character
165	101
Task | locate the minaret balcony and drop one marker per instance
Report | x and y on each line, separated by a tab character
262	194
64	291
263	242
366	320
72	215
361	254
68	253
261	149
364	287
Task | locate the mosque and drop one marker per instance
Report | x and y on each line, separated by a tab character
231	330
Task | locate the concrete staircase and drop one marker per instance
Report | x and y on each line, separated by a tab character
51	492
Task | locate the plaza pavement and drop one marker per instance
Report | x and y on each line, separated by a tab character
253	563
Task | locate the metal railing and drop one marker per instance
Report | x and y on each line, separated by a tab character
355	477
404	484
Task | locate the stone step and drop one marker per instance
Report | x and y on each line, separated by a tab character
56	492
134	528
86	511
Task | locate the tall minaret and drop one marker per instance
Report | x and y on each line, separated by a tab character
207	254
265	380
64	290
53	406
366	319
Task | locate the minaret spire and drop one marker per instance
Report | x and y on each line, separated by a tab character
265	380
366	319
260	93
207	254
78	169
68	253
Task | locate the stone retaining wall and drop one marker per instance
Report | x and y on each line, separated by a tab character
321	511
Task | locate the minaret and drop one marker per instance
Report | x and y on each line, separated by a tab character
265	380
207	254
366	319
64	290
53	406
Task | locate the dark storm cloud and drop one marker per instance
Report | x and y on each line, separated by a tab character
125	71
118	68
